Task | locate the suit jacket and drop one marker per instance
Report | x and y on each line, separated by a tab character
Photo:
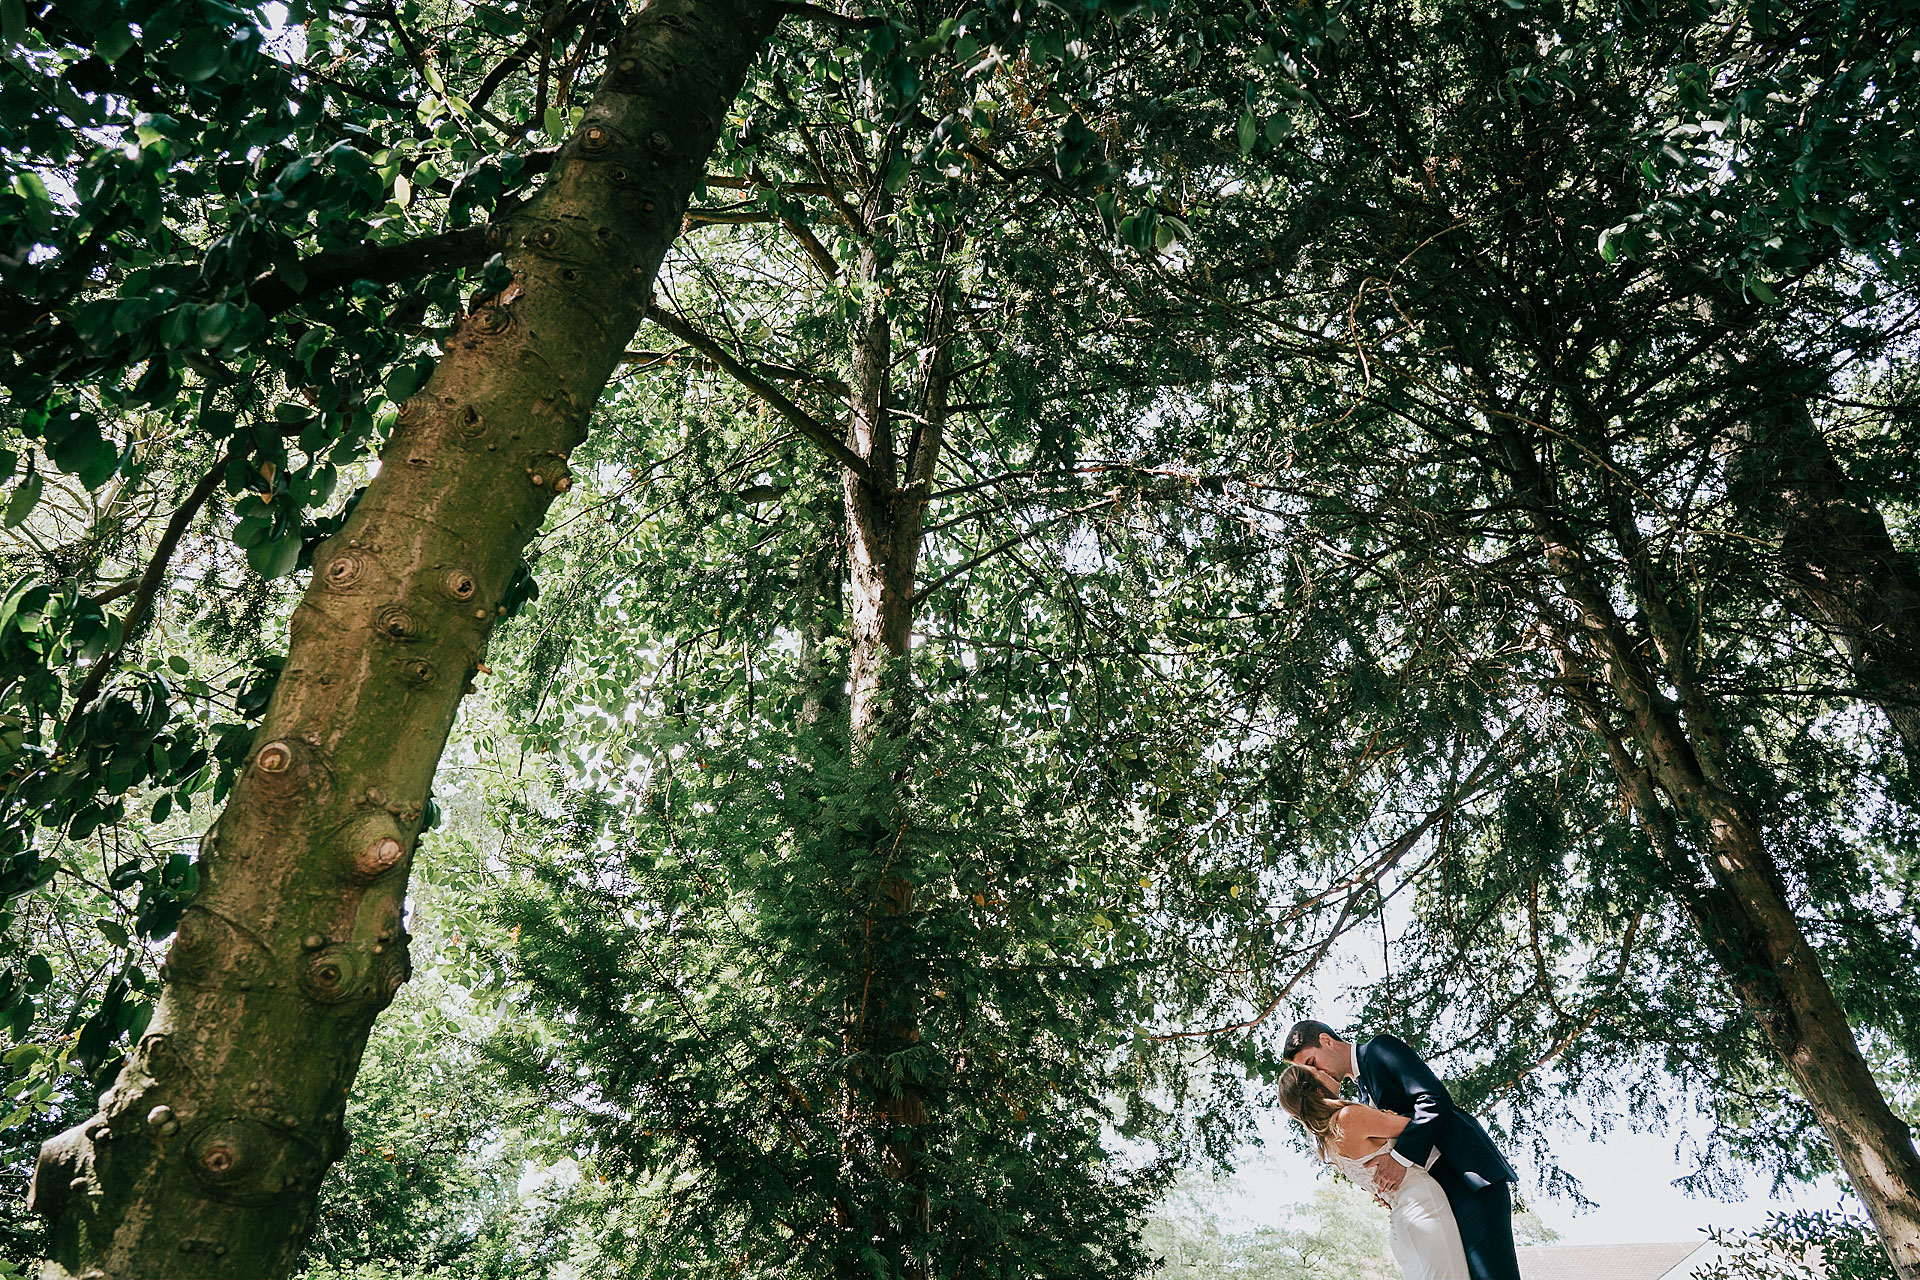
1394	1078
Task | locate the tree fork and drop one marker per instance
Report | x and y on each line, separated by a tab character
206	1156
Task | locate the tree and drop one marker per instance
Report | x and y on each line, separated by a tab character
1292	531
1344	1236
276	974
834	996
1542	430
232	1102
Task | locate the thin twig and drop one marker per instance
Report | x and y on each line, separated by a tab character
808	425
149	585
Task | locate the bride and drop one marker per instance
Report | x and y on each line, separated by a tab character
1425	1237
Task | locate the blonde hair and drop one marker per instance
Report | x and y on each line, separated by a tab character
1307	1099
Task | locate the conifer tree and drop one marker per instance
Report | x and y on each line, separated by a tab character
1541	436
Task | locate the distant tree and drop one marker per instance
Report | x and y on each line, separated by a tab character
1340	1234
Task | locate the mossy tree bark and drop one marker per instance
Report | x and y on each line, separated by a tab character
206	1156
1671	762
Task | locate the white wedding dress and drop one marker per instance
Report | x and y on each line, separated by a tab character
1424	1236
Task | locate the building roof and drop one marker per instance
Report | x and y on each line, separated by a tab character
1606	1261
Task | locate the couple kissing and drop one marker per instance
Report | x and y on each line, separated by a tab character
1434	1166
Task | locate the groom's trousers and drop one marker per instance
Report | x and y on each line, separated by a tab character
1485	1216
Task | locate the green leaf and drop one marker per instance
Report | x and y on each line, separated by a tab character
113	931
275	559
216	322
84	453
39	211
177	326
402	382
310	343
115	38
1109	206
26	495
197	56
252	531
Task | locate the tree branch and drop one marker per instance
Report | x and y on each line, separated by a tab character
505	68
1014	541
809	426
765	368
855	223
816	13
811	243
149	585
760	183
728	217
381	263
388	101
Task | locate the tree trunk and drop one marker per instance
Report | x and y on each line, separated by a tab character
1840	560
883	526
886	511
206	1156
1742	911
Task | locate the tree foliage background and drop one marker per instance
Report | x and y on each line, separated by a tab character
1277	338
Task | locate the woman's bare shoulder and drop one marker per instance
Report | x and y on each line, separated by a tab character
1348	1139
1355	1130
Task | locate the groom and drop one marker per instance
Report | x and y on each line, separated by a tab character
1446	1142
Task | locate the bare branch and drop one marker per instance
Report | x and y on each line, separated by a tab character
381	263
808	425
811	243
1023	536
728	217
815	13
505	68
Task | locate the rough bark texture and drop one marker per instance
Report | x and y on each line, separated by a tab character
207	1154
883	523
1842	563
1670	761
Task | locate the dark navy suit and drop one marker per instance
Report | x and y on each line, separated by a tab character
1470	1169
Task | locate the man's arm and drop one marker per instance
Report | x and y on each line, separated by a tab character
1432	1104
